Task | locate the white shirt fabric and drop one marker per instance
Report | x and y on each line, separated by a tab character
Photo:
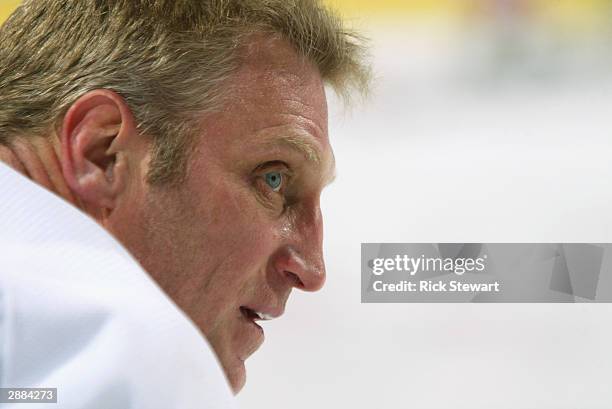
77	313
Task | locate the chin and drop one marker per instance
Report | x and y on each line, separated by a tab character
237	377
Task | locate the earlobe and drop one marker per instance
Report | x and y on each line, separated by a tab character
92	142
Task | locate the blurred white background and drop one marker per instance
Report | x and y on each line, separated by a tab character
488	123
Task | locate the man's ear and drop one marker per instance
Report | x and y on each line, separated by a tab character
94	134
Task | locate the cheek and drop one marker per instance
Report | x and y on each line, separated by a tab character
240	234
241	238
237	222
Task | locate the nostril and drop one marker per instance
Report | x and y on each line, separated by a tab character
297	282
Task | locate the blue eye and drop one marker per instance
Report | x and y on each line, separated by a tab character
274	180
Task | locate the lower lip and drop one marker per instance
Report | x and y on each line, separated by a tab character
259	328
254	336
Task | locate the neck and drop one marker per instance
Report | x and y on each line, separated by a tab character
38	159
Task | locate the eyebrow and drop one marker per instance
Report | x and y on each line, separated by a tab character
299	141
300	144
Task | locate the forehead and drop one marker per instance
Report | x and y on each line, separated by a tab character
274	76
275	101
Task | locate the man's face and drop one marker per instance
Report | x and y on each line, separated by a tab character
245	227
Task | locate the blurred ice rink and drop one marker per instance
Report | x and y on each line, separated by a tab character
490	126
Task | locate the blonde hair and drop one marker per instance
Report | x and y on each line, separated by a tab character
166	58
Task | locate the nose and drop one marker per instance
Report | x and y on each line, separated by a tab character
303	274
300	259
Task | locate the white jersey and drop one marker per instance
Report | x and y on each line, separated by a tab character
77	313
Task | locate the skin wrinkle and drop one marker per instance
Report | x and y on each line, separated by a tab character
39	161
297	138
53	169
204	288
10	158
33	164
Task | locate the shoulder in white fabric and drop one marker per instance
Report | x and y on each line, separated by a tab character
77	313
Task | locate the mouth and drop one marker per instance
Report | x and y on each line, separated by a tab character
250	315
254	315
